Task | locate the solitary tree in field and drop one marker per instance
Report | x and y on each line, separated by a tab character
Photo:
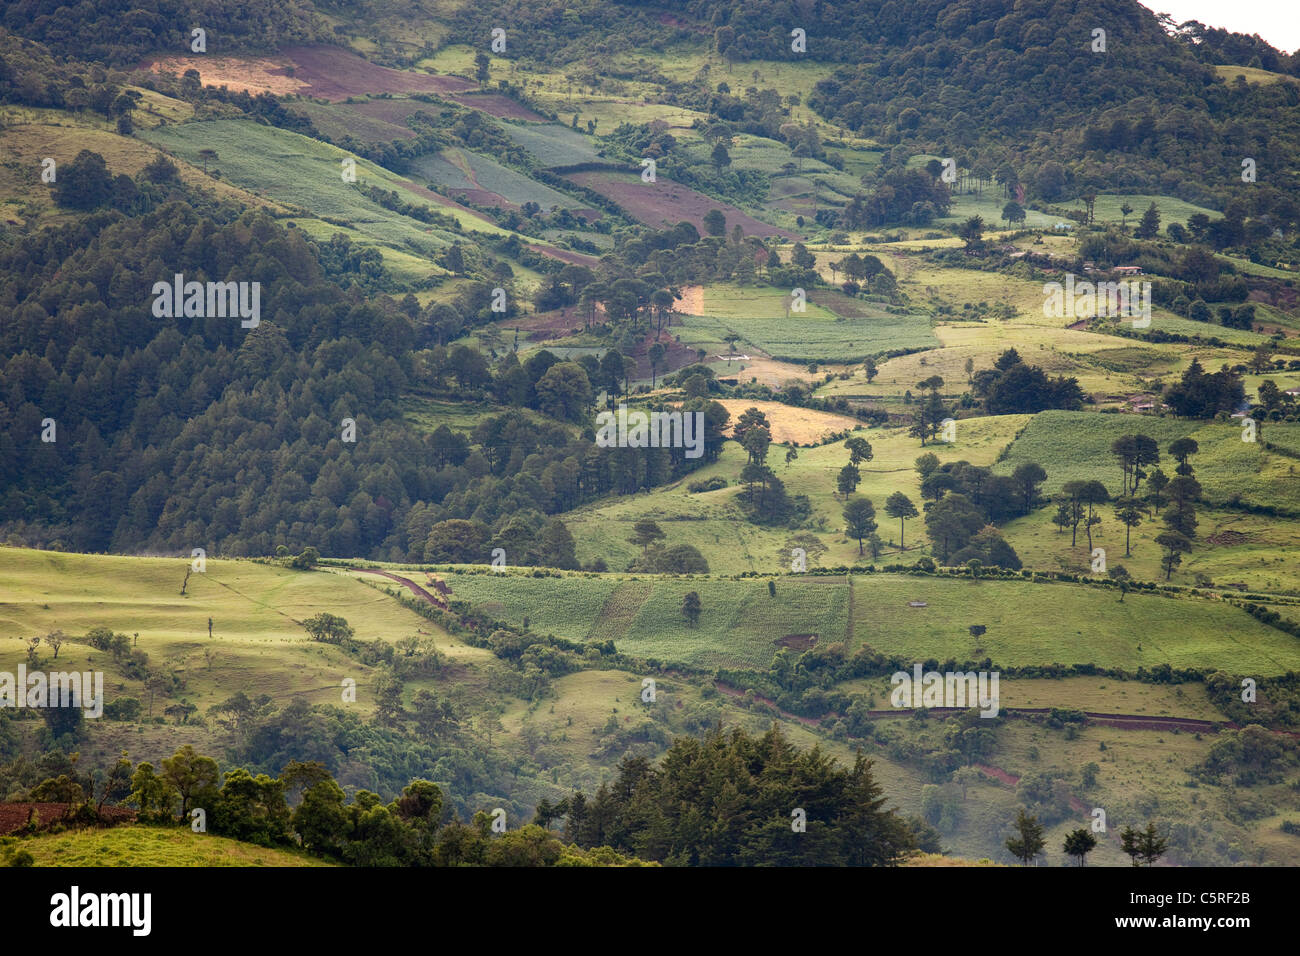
899	506
328	628
790	454
1156	485
1089	204
1129	513
1083	497
971	232
1028	841
1129	844
1149	227
869	367
859	450
691	607
1182	449
860	514
1175	545
978	630
207	155
1079	843
189	772
1125	211
656	356
482	67
847	480
645	532
1119	574
455	259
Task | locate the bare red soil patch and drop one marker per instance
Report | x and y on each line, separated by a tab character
484	197
997	773
554	324
323	72
14	816
665	203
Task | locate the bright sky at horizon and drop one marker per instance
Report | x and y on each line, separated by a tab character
1277	21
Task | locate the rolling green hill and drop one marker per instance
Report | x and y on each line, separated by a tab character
131	845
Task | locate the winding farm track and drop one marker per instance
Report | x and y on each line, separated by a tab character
408	582
1120	721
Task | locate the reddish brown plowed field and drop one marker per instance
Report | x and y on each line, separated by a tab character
997	773
484	197
324	72
334	73
665	203
494	104
391	111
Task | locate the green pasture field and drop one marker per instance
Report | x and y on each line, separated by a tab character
1027	623
1252	74
1107	208
1076	445
989	206
758	316
739	627
1032	623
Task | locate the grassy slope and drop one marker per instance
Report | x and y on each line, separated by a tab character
1076	445
257	646
135	845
